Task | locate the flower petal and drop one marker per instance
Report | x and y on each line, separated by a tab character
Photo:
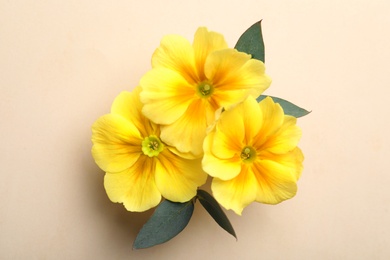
188	155
251	115
166	95
235	76
178	178
230	135
272	120
205	42
188	132
176	53
236	193
276	182
224	169
128	105
134	187
298	162
116	143
292	160
286	138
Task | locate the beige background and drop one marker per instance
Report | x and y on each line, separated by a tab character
63	62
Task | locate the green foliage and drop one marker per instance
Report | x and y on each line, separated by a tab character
251	42
215	211
168	220
288	107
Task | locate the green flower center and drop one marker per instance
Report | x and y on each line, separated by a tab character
152	146
248	154
205	89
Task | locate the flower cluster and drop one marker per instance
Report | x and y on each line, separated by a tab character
194	115
140	167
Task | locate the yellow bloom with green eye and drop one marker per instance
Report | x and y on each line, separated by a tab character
139	167
189	82
252	154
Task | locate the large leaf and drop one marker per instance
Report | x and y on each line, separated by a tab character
169	219
213	208
251	42
288	107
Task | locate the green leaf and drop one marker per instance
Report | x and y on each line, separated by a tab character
168	220
213	208
251	42
288	107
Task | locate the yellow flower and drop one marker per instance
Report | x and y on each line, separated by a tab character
139	166
252	154
188	83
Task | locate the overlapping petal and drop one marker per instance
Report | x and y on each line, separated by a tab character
189	83
236	193
206	42
230	134
223	168
128	105
286	138
116	143
272	113
270	162
250	114
292	160
139	167
166	99
276	182
135	187
178	178
235	76
177	54
188	132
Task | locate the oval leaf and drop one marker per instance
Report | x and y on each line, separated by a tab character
168	220
288	107
213	208
251	42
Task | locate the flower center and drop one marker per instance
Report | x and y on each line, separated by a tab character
248	154
152	146
205	89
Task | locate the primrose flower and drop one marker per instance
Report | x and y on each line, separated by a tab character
188	83
139	166
252	154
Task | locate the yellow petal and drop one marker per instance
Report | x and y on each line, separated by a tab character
116	143
176	53
272	120
205	42
230	135
134	187
165	95
299	157
276	182
221	63
188	155
292	160
251	115
286	138
225	147
237	193
224	169
177	178
235	76
188	132
128	105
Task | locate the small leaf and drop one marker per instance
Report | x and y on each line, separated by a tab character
168	220
288	107
251	42
213	208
